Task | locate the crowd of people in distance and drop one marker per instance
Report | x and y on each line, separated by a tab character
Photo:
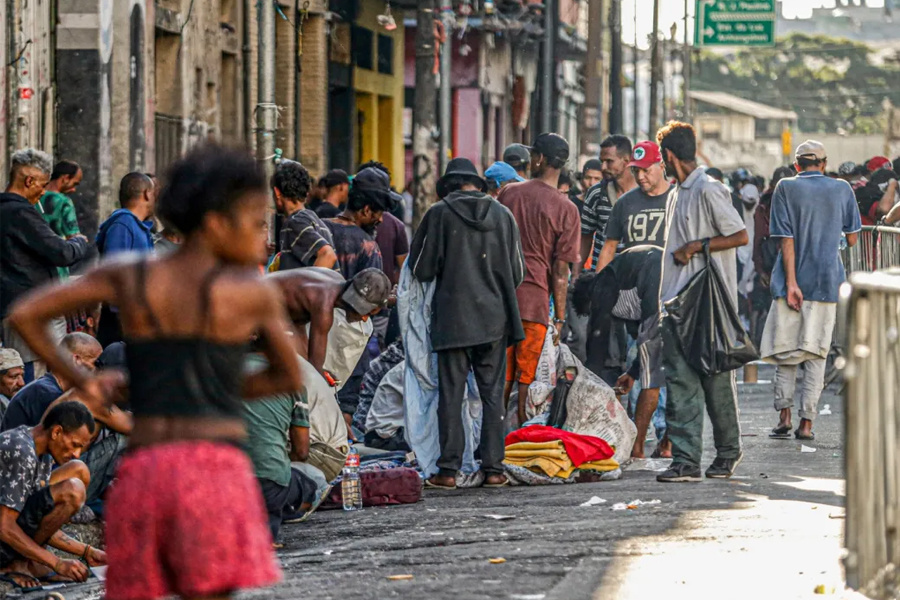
196	380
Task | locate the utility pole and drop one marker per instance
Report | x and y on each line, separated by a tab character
654	73
424	146
593	91
266	110
446	83
615	67
548	67
686	67
635	57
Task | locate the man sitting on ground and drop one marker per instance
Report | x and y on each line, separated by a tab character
109	436
32	401
36	500
12	376
278	433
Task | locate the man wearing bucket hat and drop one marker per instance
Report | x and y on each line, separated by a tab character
468	243
810	213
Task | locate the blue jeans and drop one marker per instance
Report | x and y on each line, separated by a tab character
659	417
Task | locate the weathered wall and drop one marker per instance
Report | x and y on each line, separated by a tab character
26	110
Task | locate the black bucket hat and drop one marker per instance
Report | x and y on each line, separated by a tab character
463	168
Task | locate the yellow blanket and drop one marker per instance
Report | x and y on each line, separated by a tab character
551	458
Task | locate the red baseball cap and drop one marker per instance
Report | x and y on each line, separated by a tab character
879	162
645	154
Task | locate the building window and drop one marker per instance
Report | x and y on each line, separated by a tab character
362	43
385	54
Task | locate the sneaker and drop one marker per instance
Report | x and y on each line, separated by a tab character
723	468
680	472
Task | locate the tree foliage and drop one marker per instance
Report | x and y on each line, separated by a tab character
833	84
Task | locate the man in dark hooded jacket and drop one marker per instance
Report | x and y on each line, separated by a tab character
468	243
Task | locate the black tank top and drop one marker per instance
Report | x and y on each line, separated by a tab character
183	377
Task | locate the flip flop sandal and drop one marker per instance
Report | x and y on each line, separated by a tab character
434	486
807	438
8	578
497	485
781	433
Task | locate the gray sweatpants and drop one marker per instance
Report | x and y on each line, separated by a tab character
811	385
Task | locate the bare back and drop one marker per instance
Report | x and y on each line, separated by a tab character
309	292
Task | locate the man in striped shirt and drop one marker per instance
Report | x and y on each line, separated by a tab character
615	154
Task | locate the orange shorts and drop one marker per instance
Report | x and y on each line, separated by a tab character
522	359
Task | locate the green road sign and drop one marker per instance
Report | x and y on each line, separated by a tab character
735	23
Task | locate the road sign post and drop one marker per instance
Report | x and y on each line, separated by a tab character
735	23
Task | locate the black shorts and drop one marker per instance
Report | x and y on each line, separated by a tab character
37	506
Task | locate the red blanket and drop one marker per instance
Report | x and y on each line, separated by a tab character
580	448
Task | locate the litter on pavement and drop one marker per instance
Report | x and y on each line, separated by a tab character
826	410
806	449
594	501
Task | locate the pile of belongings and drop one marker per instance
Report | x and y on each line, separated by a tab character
539	454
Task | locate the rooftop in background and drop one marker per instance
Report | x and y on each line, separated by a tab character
743	106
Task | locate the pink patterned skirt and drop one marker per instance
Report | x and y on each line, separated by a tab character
186	519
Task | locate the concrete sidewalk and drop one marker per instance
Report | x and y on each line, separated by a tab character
773	531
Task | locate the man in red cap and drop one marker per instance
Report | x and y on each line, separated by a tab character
878	162
639	217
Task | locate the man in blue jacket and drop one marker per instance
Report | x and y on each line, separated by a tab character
128	229
30	251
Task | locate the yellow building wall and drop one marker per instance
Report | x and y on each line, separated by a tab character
379	97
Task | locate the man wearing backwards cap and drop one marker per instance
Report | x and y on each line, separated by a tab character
12	373
809	213
518	157
549	226
469	244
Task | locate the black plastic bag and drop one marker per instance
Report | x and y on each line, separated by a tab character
558	411
707	324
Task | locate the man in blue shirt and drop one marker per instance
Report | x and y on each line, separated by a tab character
128	229
810	213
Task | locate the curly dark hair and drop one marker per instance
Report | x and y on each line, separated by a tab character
292	180
678	138
211	178
374	164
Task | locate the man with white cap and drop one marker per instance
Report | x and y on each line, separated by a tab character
810	213
12	372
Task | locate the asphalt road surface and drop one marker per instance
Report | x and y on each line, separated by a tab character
774	531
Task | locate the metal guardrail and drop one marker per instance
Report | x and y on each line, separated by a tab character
878	248
871	323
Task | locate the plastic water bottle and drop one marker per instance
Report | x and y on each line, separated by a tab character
351	486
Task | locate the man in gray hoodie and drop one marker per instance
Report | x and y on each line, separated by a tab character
468	243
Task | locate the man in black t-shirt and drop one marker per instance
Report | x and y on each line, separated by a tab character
335	186
639	217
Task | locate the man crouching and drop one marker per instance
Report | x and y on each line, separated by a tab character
36	500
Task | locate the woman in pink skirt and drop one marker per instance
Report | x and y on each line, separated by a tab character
185	516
